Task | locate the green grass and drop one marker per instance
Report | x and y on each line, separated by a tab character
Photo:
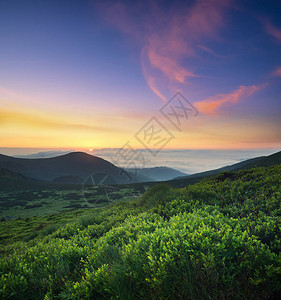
51	199
217	239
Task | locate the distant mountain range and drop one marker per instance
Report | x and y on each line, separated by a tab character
79	167
158	173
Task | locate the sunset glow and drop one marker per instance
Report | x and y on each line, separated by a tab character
95	72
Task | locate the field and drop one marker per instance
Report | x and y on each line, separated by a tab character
217	239
44	199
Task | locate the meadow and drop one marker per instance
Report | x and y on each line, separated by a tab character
216	239
44	199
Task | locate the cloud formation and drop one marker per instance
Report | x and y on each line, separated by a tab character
169	37
277	72
211	105
273	31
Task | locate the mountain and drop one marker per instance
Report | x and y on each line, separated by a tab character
79	167
262	161
159	173
73	167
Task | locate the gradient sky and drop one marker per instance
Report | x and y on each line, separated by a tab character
90	74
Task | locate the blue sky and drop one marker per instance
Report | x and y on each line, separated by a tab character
89	74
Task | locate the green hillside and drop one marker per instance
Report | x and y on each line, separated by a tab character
217	239
7	176
263	161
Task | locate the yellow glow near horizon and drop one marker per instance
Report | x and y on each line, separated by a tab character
24	128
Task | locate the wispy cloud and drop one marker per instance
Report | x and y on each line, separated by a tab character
276	33
273	31
168	37
152	81
277	72
210	51
210	106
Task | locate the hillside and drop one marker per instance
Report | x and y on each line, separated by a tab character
158	173
7	175
217	239
79	167
263	161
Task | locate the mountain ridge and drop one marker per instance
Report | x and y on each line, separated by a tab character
261	161
76	167
161	173
71	164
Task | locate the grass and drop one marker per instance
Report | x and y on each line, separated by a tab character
52	199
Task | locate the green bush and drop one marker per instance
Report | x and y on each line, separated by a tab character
217	239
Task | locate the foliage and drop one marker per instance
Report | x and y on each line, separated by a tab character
217	239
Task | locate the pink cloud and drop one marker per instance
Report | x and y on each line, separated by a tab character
168	38
117	16
273	31
211	105
277	72
168	65
151	81
169	46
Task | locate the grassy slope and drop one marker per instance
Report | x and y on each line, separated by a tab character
217	239
263	161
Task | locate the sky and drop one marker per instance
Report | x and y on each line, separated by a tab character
201	74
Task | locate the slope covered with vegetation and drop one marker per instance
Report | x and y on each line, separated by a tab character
263	161
217	239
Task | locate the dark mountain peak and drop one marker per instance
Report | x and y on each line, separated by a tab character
81	157
75	163
76	154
